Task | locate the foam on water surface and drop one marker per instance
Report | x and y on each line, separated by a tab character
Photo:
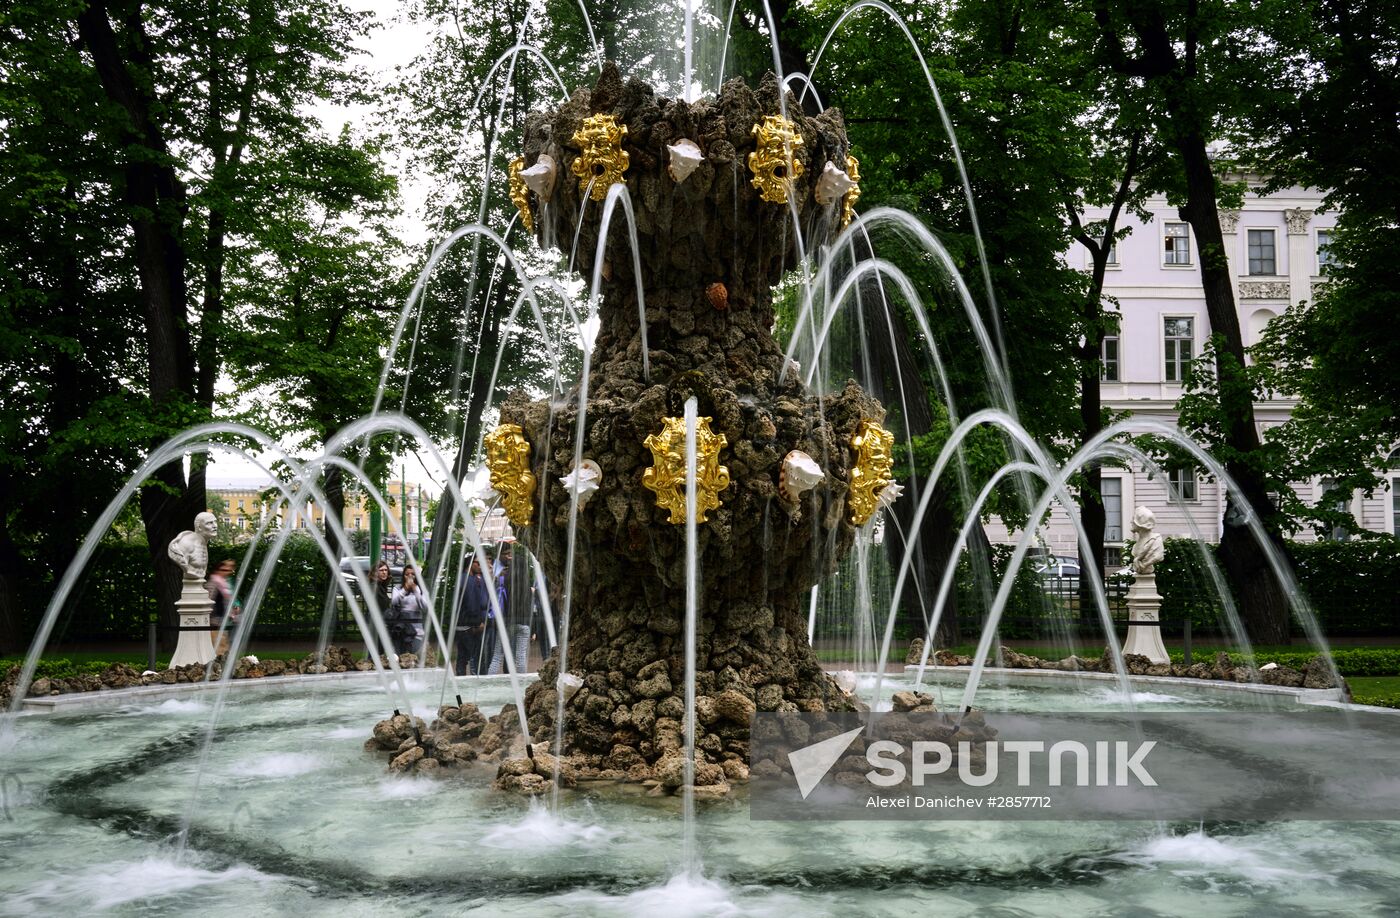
1228	858
168	706
100	887
690	895
282	765
541	830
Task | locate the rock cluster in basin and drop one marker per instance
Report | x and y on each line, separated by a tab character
1316	675
459	735
120	675
914	714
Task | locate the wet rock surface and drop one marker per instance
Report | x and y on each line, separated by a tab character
1318	674
459	735
119	675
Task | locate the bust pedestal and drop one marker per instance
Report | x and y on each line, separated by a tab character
193	609
1143	605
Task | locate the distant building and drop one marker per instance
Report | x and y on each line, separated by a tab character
1277	246
247	503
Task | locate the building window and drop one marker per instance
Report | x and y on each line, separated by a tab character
1335	499
1181	483
1112	491
1177	245
1395	505
1261	252
1325	258
240	500
1109	358
359	519
1113	253
1178	334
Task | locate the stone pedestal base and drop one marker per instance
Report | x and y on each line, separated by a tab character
1143	605
193	609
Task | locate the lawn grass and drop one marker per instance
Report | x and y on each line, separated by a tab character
1378	690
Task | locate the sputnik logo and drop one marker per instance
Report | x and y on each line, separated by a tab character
811	763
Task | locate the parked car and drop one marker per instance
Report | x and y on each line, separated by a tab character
348	566
1059	573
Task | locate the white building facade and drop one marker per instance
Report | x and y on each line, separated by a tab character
1277	246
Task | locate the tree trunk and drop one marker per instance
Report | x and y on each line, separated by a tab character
894	379
1091	510
933	552
1263	603
157	205
14	630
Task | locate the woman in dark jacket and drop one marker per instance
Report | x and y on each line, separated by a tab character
381	585
471	622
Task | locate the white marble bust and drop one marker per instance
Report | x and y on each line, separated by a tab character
1147	544
190	549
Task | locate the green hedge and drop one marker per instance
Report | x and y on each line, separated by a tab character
115	599
1352	586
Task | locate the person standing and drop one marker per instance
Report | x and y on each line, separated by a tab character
496	582
221	592
472	617
409	608
518	608
383	586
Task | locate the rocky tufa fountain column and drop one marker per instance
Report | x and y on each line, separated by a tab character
715	185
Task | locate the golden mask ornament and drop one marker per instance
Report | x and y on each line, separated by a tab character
848	209
871	472
603	160
508	459
774	164
520	193
667	473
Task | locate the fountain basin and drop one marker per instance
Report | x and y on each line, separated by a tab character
291	813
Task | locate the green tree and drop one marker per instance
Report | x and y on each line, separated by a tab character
201	95
1009	113
69	343
1202	67
460	325
1339	132
139	129
318	288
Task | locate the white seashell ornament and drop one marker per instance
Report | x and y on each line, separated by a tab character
832	185
540	177
568	684
685	159
582	483
888	495
800	473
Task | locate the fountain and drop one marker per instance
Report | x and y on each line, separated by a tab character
689	498
712	218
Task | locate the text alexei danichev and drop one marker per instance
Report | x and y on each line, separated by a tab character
945	803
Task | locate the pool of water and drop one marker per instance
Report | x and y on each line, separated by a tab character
288	813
